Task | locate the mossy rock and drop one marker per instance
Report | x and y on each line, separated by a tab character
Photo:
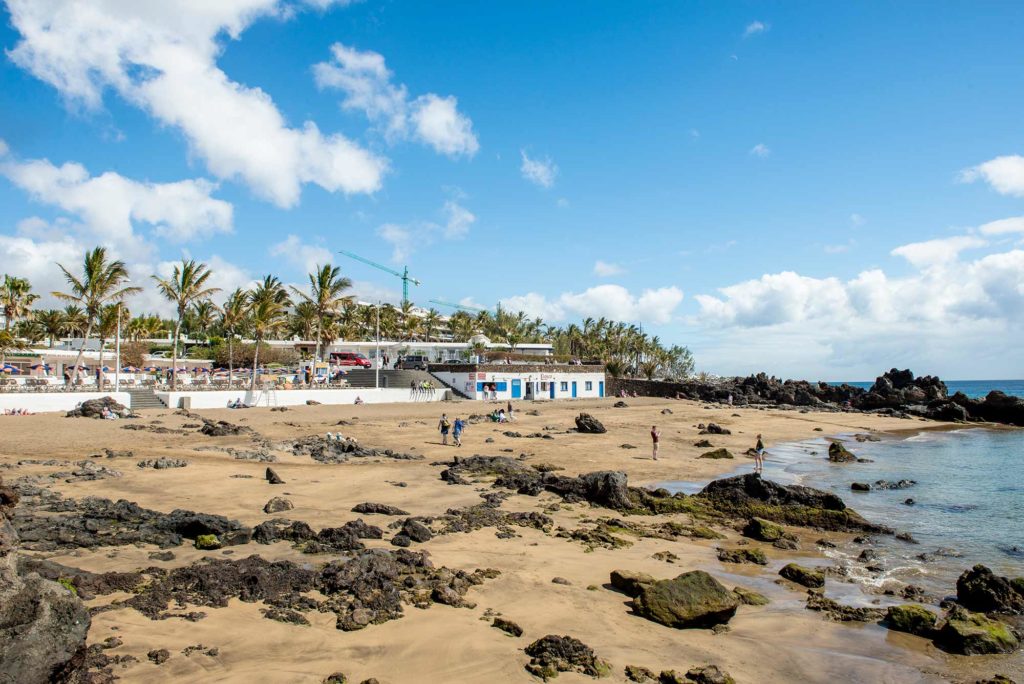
750	598
763	530
709	674
837	453
630	583
207	542
911	619
755	556
693	599
704	532
808	577
636	673
968	633
717	454
66	583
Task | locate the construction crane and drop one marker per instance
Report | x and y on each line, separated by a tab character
404	275
460	307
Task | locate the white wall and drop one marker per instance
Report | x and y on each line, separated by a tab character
298	397
467	385
42	402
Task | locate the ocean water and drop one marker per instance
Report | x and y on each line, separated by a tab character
975	389
968	502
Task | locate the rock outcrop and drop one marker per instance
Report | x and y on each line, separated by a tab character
693	599
94	408
588	424
43	625
553	654
979	589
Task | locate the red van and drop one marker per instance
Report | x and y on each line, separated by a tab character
350	359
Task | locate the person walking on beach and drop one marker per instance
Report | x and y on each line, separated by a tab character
759	456
508	414
444	426
655	438
457	429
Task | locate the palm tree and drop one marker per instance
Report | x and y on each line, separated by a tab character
431	321
30	330
52	322
305	323
16	298
233	315
203	316
8	344
186	286
268	312
326	286
101	283
75	321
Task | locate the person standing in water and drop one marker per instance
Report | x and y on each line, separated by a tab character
444	425
759	456
655	438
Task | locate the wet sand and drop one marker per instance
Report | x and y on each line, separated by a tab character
781	642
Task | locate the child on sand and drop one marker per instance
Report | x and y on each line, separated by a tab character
759	456
444	426
655	438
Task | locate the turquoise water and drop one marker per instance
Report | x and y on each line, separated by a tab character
969	502
972	388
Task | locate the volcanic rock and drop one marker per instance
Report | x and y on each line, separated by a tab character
587	424
693	599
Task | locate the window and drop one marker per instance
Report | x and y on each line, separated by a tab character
544	386
589	386
565	387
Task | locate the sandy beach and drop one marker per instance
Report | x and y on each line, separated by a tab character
780	642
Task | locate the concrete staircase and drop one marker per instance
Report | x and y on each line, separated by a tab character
395	379
144	399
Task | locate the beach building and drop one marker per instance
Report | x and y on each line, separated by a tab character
524	381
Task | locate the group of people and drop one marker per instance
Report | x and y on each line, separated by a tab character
455	427
17	412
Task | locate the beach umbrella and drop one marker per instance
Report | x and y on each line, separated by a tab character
8	368
151	369
40	365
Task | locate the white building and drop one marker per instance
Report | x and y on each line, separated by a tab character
522	380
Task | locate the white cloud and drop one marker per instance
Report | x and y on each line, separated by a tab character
301	255
610	301
937	252
760	150
856	220
459	220
1004	174
540	172
1003	226
110	205
755	27
367	84
162	58
694	134
438	123
949	312
400	239
562	203
406	239
604	269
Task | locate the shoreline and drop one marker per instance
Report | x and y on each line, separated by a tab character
256	649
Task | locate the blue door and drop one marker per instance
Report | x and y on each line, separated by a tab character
573	389
517	389
600	388
551	389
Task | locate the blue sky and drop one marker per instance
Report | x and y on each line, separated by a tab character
815	190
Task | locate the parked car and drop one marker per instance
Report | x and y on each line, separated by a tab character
414	362
350	359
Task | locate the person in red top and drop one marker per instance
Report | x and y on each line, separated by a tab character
655	437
